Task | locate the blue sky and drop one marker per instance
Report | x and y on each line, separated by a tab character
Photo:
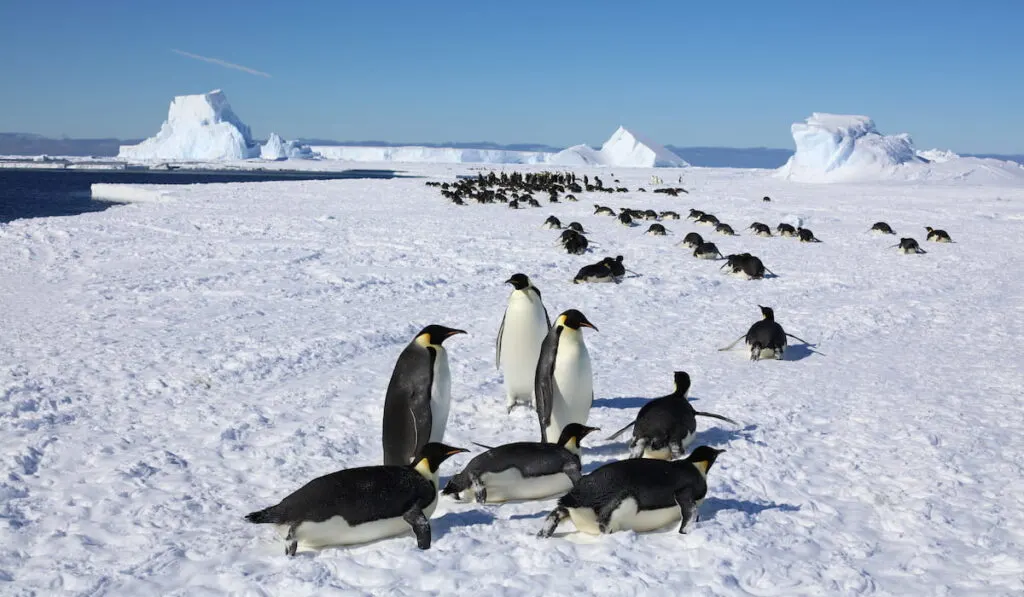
722	73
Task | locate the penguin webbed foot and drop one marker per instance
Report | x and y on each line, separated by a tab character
637	447
293	542
479	491
552	521
687	508
755	352
420	526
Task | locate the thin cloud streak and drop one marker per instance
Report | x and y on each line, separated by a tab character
224	63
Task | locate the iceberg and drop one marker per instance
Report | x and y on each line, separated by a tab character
277	148
198	127
628	150
845	147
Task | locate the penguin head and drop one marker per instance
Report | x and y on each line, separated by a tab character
928	228
618	258
434	335
682	383
433	454
572	434
703	457
767	313
519	281
574	320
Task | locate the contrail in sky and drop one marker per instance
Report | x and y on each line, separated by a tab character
251	71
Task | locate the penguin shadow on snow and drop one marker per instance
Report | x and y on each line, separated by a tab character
712	506
620	402
799	352
441	525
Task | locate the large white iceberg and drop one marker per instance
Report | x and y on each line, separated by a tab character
198	127
834	147
277	148
843	147
627	149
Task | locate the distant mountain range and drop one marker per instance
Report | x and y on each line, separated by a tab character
711	157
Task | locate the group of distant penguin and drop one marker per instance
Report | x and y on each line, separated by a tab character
545	366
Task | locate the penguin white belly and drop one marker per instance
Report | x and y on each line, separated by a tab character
707	256
521	340
662	454
573	385
511	485
585	520
440	396
629	517
768	353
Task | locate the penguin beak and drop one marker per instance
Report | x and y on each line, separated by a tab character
454	332
509	281
455	451
587	324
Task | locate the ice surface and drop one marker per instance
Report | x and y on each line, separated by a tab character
277	148
198	127
937	156
168	367
130	193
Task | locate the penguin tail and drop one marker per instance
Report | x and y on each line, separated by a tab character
265	516
714	416
621	431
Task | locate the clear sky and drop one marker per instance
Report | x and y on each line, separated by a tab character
717	72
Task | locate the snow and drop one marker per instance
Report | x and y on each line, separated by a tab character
938	156
277	148
198	127
167	367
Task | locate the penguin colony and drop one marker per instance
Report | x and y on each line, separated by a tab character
545	367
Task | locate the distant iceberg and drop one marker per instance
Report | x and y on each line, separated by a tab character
843	148
623	149
198	127
277	148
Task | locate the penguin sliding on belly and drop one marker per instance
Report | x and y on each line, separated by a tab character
665	427
766	338
522	470
637	494
418	396
564	383
522	331
359	505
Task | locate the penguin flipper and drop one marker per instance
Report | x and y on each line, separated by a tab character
407	418
734	343
544	381
497	345
621	431
714	416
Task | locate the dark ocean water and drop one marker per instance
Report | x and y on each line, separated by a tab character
26	193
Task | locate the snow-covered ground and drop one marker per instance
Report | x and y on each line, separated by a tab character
168	367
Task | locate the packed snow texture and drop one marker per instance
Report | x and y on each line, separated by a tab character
938	156
168	367
277	148
623	150
198	127
130	193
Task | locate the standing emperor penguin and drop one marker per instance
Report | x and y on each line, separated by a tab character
522	331
564	383
418	397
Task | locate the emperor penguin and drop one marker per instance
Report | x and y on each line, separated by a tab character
359	505
522	331
665	427
564	383
522	470
939	236
766	338
638	494
418	396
